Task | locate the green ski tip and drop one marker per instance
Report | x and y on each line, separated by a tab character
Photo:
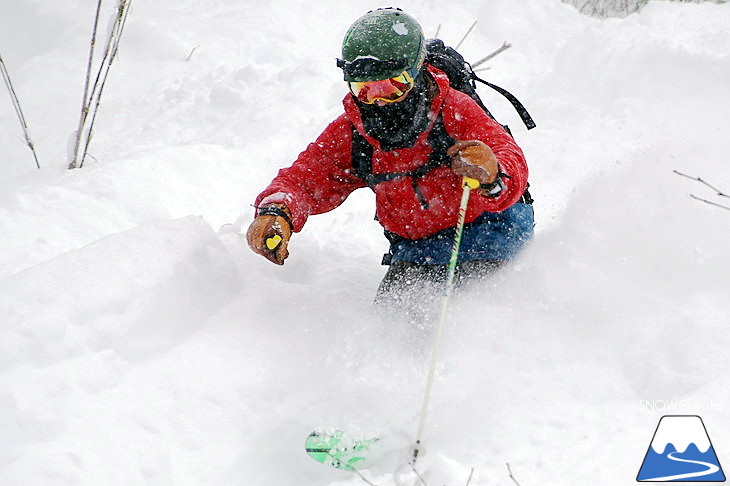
334	448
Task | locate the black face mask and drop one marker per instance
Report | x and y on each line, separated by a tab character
397	125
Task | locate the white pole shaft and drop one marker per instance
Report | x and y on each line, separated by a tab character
450	277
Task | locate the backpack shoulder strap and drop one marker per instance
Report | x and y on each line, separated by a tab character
362	157
521	110
462	77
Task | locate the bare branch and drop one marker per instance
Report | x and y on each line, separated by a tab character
364	478
423	481
710	202
110	55
18	110
702	181
718	192
465	35
190	56
509	469
468	481
506	45
92	99
85	101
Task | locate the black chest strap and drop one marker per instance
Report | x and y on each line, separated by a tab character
438	139
362	156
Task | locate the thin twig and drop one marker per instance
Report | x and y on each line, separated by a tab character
363	477
124	7
18	110
423	481
109	56
90	62
710	202
702	181
93	99
465	35
718	192
190	56
85	101
506	45
468	481
509	470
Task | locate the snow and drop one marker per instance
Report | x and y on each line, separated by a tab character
143	343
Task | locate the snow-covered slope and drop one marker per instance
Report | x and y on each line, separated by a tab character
141	342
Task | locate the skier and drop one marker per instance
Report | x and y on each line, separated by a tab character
411	138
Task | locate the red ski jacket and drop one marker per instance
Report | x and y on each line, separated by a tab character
322	176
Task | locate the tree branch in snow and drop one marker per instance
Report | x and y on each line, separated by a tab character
465	35
85	98
420	478
511	476
364	478
710	202
718	192
92	100
113	44
18	110
702	181
506	45
190	56
468	481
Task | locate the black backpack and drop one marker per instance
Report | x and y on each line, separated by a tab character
461	77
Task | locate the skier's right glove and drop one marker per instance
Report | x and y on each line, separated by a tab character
269	233
474	159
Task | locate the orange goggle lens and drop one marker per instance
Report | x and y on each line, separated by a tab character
387	90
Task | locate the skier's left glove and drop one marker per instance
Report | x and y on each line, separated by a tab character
269	233
474	159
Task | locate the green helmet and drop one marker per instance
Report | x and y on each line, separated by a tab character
382	44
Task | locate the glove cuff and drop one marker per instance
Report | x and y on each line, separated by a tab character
494	189
274	210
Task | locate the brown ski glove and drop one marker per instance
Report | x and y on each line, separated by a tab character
474	158
269	233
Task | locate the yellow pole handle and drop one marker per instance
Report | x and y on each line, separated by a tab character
472	183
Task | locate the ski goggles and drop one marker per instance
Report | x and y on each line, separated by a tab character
387	90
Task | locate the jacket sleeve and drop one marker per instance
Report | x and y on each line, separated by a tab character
320	179
464	119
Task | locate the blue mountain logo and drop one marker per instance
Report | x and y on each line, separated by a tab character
681	451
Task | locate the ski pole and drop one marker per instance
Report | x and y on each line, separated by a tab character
467	185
